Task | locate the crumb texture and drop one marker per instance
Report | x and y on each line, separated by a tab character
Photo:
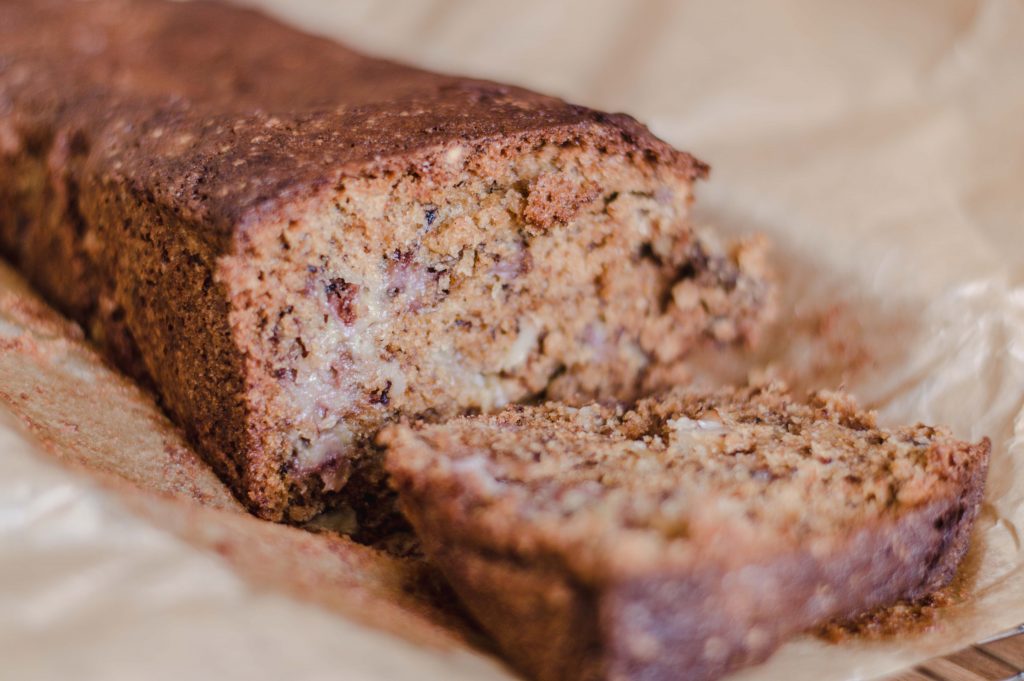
433	296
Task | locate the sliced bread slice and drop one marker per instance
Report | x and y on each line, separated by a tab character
688	536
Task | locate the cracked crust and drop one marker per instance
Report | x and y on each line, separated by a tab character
696	531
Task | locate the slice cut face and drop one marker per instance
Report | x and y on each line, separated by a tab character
445	287
693	532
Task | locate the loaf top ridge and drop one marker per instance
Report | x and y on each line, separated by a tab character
222	115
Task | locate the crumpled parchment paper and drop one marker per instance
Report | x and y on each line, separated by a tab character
879	144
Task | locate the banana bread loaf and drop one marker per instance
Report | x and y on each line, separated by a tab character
293	243
688	536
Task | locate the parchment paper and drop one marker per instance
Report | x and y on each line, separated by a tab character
880	144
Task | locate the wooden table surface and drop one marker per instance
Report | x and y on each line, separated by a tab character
996	659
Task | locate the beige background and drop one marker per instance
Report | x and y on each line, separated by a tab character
881	144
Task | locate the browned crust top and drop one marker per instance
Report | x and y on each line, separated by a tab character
220	113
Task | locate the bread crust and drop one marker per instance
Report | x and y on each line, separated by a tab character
222	131
553	628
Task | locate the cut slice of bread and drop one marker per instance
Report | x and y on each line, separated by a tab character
688	536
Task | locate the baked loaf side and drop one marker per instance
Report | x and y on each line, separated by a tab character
293	243
694	532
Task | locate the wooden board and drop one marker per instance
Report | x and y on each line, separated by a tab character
1000	658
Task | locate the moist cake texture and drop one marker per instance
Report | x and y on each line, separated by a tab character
688	536
293	243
